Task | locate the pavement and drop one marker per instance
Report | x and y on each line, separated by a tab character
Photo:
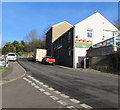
18	93
14	72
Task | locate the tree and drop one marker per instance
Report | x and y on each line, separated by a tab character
8	47
32	36
33	41
117	24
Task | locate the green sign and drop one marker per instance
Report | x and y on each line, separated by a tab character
82	45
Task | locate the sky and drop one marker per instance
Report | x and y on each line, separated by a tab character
19	18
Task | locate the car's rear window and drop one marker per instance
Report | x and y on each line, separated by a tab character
11	54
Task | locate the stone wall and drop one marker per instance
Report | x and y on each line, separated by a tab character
106	63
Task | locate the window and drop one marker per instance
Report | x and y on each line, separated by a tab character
60	41
69	36
69	51
90	33
113	33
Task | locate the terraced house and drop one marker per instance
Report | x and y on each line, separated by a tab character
69	44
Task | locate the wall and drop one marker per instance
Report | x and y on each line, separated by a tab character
101	28
64	59
49	42
80	54
106	63
60	29
106	50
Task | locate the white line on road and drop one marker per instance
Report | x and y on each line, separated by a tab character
85	106
62	102
51	89
57	92
33	84
37	87
42	90
75	101
45	86
46	93
54	98
41	83
63	95
70	106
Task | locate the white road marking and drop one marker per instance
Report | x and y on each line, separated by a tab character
42	90
51	89
63	95
37	87
41	83
70	106
75	101
54	98
62	102
24	78
29	76
57	92
33	84
46	93
85	106
45	86
27	80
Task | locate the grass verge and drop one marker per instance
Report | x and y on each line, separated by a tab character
2	69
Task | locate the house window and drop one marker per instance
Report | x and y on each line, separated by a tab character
69	51
114	34
60	41
90	33
69	36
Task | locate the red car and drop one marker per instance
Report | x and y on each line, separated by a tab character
48	60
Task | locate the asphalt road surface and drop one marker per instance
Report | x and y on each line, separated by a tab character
96	90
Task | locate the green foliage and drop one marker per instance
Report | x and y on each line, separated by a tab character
33	42
8	47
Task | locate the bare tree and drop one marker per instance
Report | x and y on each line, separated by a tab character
32	36
117	24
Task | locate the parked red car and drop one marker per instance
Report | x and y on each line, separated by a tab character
48	60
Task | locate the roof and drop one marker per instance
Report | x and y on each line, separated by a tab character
61	23
94	15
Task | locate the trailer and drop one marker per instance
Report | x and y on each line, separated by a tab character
39	54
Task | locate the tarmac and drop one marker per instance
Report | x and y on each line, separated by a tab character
14	72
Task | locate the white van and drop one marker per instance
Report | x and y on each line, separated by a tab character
39	54
11	56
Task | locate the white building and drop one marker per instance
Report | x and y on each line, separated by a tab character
75	41
95	28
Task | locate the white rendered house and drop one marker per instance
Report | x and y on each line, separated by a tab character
88	32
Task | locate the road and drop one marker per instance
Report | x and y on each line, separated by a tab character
93	89
18	93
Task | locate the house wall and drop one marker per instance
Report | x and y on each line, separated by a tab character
60	29
61	53
49	42
101	28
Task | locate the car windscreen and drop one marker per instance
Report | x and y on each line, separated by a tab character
11	54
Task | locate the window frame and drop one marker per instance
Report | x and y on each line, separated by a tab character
90	33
